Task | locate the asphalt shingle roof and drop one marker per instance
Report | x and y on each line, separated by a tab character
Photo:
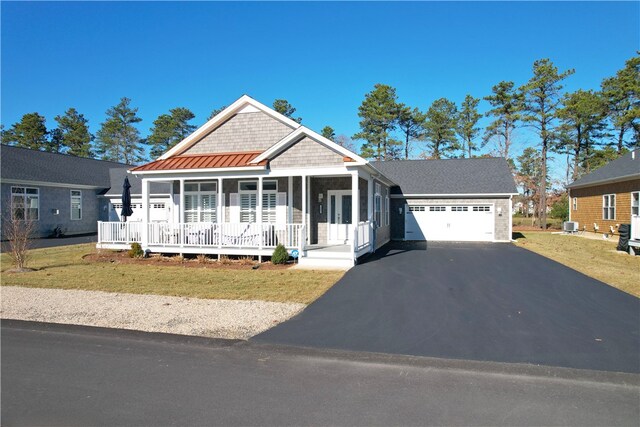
117	179
31	165
627	166
450	176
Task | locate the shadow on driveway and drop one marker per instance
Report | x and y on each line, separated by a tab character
53	242
489	302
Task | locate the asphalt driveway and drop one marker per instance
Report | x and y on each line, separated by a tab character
490	302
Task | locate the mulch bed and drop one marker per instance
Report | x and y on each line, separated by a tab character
190	261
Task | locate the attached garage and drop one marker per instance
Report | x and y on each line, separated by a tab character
466	200
449	223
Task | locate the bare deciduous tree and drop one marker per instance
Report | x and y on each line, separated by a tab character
18	232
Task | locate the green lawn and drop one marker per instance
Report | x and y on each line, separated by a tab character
595	258
552	223
64	268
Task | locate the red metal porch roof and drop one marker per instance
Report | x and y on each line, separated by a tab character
203	161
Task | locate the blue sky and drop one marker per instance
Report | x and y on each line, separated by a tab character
322	57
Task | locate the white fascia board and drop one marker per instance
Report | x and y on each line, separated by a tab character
52	184
455	195
203	170
606	181
222	117
290	139
376	174
310	171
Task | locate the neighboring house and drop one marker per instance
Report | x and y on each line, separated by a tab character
54	190
251	178
607	197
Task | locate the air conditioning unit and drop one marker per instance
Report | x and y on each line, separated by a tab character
570	226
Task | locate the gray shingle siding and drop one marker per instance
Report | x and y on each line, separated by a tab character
242	132
307	153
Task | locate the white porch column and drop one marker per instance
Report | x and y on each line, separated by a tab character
370	200
290	201
259	215
145	214
219	207
304	202
181	203
355	200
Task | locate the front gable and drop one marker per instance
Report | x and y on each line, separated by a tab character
307	153
243	132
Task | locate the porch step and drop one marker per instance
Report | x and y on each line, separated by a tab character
341	263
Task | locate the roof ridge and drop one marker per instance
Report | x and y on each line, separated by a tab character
4	146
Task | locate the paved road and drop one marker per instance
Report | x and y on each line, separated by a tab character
490	302
61	375
52	243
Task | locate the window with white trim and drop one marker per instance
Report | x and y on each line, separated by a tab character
248	191
481	209
386	210
25	203
269	201
609	206
377	199
635	203
76	205
574	203
437	208
200	201
416	208
459	208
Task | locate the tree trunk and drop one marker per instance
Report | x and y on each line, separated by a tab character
543	185
576	154
406	147
621	139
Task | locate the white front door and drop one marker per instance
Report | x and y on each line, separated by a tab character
339	215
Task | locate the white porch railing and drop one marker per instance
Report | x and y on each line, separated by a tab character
362	238
635	227
119	232
203	234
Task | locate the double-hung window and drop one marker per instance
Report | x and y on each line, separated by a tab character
25	203
76	205
269	201
609	206
635	203
575	203
248	195
378	205
200	202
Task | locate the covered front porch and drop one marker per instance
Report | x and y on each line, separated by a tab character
326	215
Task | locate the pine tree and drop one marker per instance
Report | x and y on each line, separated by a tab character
170	129
379	114
622	93
30	132
74	133
118	139
329	133
411	123
507	105
440	128
467	120
216	112
541	102
283	107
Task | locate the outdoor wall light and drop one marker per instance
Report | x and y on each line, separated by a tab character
55	211
499	211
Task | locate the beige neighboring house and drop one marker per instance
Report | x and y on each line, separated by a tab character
251	178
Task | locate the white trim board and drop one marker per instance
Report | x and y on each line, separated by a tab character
452	196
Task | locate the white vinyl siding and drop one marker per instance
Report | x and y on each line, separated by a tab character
25	203
609	206
76	205
200	202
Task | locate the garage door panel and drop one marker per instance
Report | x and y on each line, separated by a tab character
449	222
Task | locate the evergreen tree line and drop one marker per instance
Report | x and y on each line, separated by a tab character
118	139
589	127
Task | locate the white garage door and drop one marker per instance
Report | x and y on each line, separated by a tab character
449	222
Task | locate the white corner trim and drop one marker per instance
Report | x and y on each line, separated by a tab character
293	137
241	104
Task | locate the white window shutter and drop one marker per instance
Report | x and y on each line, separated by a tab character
234	208
281	208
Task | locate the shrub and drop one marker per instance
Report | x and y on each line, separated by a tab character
18	233
280	255
560	209
136	251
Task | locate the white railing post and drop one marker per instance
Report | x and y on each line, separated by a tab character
99	231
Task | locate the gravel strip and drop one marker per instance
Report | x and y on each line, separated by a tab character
153	313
